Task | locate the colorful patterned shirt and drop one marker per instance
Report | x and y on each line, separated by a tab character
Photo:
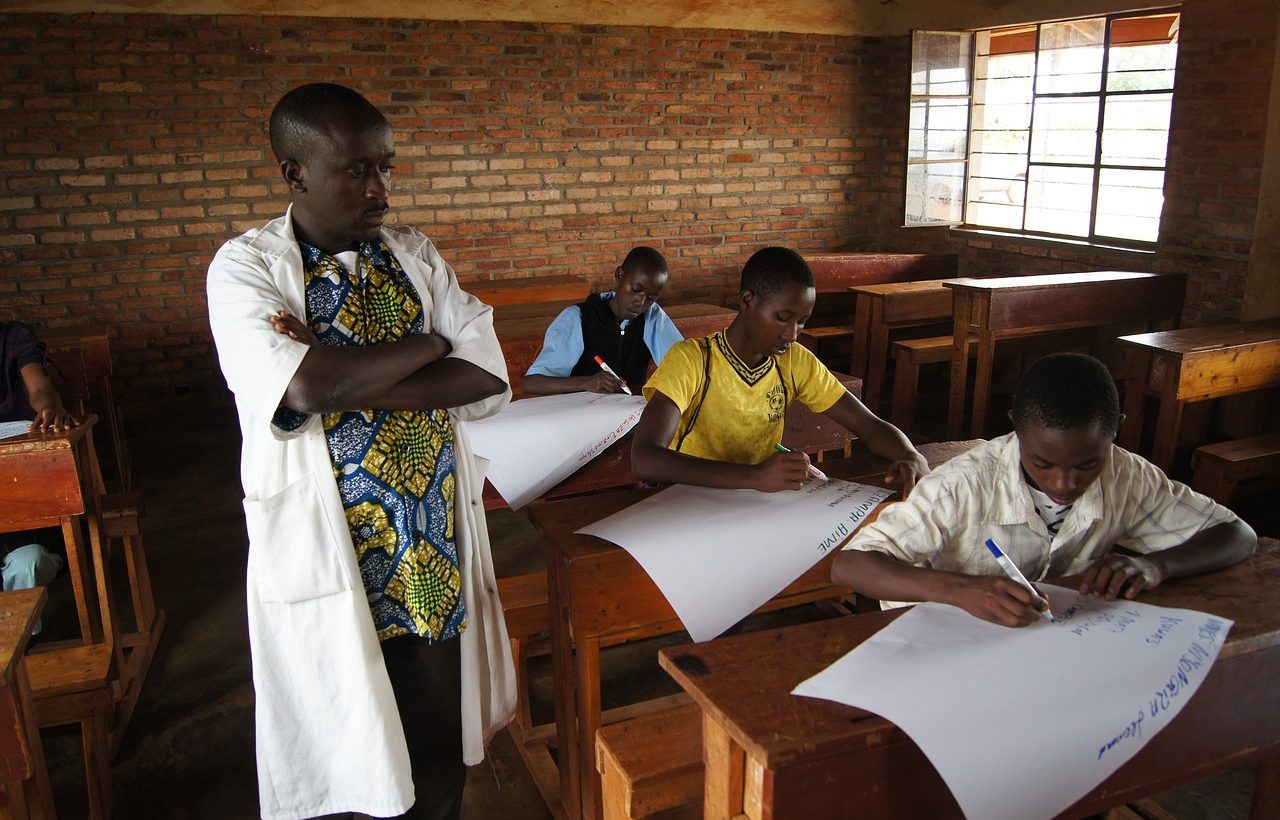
395	468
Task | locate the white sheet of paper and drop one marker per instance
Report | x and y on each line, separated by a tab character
1021	723
719	554
9	429
536	443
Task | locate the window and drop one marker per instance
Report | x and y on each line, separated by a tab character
1055	129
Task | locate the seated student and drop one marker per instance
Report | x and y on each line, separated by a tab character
1057	496
717	405
27	393
624	326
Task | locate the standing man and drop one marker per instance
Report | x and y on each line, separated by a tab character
380	655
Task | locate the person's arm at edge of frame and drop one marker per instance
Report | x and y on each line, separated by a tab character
1120	575
884	440
651	460
992	598
50	415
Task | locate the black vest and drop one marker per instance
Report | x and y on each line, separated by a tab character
623	350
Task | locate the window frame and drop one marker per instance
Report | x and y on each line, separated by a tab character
1103	94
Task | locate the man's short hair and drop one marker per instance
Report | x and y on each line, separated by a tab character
769	269
644	258
299	116
1067	391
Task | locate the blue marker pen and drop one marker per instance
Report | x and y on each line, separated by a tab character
1011	569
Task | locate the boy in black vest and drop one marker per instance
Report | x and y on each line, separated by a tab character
625	327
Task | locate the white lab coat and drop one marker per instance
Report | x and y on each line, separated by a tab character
329	738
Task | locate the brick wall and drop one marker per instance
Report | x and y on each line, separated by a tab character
133	145
1219	128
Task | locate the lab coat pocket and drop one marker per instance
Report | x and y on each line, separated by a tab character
293	551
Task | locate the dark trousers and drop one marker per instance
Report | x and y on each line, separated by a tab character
427	681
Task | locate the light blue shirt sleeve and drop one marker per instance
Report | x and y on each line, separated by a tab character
660	333
561	346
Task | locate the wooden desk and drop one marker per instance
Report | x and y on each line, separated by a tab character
53	480
881	309
987	310
22	765
524	291
600	596
521	337
770	754
1194	364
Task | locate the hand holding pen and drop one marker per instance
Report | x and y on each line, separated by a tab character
609	370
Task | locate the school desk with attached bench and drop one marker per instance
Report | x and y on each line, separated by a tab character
53	480
771	754
600	596
988	310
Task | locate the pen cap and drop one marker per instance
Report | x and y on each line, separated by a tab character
995	550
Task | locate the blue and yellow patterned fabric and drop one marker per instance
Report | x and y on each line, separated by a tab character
395	469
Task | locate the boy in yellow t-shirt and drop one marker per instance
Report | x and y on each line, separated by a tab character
717	405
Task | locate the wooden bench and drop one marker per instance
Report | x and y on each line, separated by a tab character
81	373
651	765
525	291
835	273
910	354
1219	468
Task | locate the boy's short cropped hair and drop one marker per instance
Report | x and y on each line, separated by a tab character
769	269
1067	391
644	258
299	113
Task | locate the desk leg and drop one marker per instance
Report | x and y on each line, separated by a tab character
562	675
1168	422
1135	390
861	335
877	354
982	384
37	791
724	762
1266	789
959	366
587	675
78	569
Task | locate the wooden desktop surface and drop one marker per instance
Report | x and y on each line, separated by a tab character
771	754
599	596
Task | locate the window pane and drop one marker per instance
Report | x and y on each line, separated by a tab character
934	192
1144	51
940	62
1059	199
939	129
1129	204
1071	56
1135	129
1065	130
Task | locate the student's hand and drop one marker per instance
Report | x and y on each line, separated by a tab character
603	382
995	599
51	420
286	323
905	472
1116	575
781	471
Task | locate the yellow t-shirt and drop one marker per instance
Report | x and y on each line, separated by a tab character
730	412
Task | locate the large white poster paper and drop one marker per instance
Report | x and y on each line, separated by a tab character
1021	723
9	429
534	444
719	554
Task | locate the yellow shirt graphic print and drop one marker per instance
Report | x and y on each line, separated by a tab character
732	412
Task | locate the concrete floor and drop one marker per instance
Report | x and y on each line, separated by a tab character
188	753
